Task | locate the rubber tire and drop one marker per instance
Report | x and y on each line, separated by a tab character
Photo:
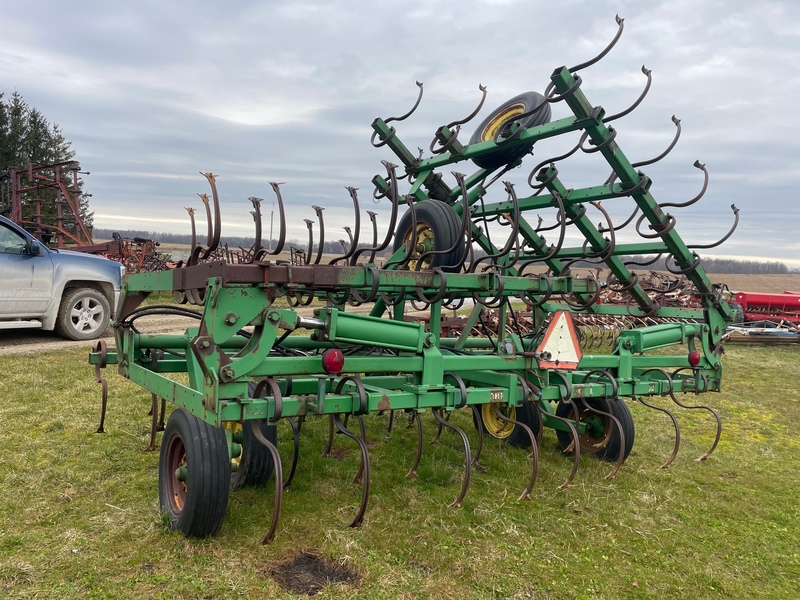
204	449
255	463
444	223
508	154
619	409
93	300
526	413
738	313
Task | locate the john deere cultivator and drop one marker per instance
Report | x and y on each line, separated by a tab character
280	341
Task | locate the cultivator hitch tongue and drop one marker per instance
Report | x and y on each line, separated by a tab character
275	341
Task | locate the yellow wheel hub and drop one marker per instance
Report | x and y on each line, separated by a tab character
424	238
493	425
234	427
509	114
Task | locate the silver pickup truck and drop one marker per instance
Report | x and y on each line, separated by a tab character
69	292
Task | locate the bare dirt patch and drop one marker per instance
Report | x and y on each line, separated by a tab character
308	572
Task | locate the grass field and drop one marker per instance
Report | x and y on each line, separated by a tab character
80	510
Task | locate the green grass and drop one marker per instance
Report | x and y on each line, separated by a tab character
80	510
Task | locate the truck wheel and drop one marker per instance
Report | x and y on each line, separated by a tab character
83	315
194	475
597	427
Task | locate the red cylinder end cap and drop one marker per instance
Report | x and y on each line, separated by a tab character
694	358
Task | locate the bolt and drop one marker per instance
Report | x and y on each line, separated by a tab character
231	318
205	344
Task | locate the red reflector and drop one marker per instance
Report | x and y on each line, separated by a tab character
333	360
694	358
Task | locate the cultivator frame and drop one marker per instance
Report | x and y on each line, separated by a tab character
246	372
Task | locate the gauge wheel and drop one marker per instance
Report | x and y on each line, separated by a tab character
194	475
513	435
502	118
597	427
438	228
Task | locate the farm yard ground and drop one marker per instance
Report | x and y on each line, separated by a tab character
80	510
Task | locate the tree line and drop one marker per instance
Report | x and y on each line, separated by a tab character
26	136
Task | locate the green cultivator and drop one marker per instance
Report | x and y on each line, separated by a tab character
280	341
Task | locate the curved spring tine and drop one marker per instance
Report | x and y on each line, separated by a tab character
401	118
190	210
102	350
364	467
457	125
353	237
526	494
627	221
714	413
645	263
321	245
326	451
513	239
373	218
214	240
467	456
677	270
723	238
310	226
697	165
363	430
669	148
477	454
661	229
391	170
435	440
590	62
575	446
648	73
412	472
295	452
210	235
256	212
471	116
408	247
674	423
276	461
550	161
282	216
618	425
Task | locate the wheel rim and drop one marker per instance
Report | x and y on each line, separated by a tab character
86	315
596	430
176	474
236	433
424	241
494	426
501	120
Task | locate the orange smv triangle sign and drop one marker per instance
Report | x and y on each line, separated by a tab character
560	348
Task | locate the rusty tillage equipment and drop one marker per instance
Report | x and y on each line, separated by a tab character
246	372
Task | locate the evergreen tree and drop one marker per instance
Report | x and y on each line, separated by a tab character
27	136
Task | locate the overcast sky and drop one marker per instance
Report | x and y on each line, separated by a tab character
150	93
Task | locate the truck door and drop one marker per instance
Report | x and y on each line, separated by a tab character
26	280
